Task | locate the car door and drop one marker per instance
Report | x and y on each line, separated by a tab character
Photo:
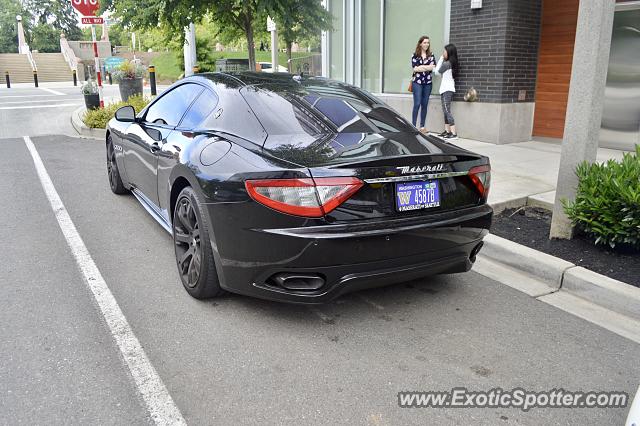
169	154
145	138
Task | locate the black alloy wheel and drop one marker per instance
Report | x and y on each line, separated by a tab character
188	247
115	182
194	255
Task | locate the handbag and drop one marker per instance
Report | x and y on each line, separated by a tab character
410	88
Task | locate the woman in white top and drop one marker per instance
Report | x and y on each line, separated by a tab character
448	67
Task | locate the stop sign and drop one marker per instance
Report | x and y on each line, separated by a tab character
86	7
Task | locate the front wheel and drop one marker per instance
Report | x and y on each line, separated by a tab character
194	255
115	181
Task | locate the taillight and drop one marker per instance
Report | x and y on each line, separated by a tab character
481	178
303	197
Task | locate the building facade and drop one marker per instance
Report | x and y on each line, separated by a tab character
517	54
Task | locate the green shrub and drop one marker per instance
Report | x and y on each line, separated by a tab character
98	118
607	205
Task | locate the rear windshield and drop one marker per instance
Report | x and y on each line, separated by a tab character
317	107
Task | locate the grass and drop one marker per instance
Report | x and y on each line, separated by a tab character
168	68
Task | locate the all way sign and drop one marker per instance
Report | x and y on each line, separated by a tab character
92	20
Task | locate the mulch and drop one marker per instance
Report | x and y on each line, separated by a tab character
530	227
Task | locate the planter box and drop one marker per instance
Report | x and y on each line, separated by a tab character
130	87
92	101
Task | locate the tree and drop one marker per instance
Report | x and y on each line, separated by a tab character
241	14
45	38
58	14
9	9
302	19
175	15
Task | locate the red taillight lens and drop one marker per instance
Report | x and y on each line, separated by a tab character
481	178
303	197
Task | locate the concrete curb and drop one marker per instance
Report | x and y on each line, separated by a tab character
602	290
543	201
82	129
508	204
546	268
538	274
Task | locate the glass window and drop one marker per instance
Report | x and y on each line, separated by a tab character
371	45
336	40
405	21
321	107
170	107
201	108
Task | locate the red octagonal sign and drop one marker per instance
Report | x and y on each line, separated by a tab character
86	7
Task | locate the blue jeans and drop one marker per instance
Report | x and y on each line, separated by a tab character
421	93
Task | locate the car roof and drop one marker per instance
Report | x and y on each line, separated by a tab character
241	79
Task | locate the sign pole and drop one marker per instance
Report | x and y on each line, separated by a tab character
271	27
97	64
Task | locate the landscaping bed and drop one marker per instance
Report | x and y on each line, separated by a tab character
98	118
530	227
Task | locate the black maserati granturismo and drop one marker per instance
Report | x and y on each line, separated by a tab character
296	188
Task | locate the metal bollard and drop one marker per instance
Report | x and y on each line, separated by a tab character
196	69
110	79
6	76
35	77
152	79
75	78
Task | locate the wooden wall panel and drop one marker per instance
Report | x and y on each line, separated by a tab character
557	38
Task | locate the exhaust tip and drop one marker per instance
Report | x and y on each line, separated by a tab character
297	281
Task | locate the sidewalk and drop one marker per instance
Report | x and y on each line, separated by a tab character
526	172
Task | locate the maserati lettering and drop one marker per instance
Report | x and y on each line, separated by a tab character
418	169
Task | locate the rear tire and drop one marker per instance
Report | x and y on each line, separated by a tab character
115	182
194	255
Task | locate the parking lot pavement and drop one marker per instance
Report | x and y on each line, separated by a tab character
57	362
43	110
236	360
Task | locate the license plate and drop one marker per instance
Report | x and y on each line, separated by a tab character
417	195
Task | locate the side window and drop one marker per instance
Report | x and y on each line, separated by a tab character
201	108
170	107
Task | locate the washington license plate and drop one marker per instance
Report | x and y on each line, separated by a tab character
417	195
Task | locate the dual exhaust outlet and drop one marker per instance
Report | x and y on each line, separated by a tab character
312	282
297	281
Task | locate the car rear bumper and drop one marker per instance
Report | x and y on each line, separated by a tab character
345	257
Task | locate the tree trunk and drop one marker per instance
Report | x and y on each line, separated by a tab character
289	65
248	29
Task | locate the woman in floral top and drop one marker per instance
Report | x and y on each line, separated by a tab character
422	63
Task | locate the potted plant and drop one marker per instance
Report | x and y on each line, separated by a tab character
91	97
128	75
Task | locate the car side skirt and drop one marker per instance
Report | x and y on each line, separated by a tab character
159	215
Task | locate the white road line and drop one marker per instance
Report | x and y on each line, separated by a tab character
161	406
55	92
26	102
40	106
370	302
29	96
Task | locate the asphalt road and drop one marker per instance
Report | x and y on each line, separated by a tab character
237	360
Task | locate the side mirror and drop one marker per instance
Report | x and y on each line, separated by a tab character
126	114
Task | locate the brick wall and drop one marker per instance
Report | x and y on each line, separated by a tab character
497	47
